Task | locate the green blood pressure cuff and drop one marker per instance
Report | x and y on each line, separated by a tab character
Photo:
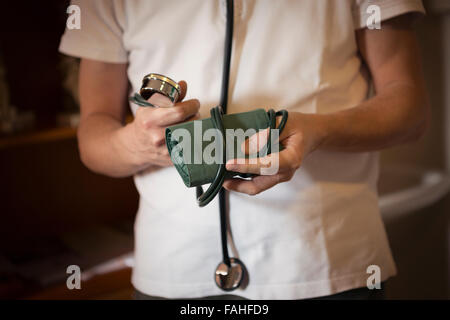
196	167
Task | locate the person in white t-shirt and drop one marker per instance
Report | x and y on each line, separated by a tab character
313	228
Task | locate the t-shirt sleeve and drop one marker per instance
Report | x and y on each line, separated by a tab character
388	9
100	34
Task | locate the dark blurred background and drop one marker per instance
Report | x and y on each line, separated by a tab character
54	212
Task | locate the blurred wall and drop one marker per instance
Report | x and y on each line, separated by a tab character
420	239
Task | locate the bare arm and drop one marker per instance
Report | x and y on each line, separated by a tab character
108	146
398	113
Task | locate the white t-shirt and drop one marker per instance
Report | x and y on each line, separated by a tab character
312	236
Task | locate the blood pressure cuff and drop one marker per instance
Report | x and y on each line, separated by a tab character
197	168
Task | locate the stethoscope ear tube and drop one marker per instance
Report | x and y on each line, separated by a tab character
230	272
204	198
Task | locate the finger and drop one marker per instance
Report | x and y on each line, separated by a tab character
180	113
162	117
196	116
163	151
183	85
252	187
259	140
160	159
156	137
256	142
268	165
163	162
160	100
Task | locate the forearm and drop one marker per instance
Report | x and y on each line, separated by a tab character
103	146
399	114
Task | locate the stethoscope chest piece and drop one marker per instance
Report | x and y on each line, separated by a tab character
230	277
157	83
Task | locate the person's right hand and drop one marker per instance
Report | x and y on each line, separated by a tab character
146	135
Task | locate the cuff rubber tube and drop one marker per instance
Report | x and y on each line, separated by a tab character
197	173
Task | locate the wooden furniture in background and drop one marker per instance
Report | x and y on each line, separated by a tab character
111	286
46	192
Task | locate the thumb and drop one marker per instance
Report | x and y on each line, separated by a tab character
160	100
256	142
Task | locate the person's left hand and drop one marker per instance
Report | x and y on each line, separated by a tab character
301	135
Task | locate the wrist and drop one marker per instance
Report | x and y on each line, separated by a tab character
320	130
312	130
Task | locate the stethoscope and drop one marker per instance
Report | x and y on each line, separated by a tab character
231	271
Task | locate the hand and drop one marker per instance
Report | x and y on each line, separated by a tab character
302	134
146	134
